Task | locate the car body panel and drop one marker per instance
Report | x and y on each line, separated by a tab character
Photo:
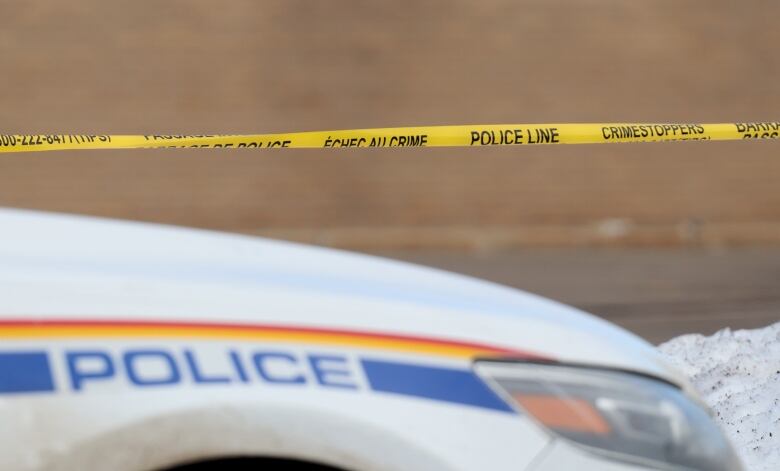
180	344
96	269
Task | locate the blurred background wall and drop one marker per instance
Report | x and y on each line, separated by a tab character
195	66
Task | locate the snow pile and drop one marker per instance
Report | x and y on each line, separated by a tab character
738	376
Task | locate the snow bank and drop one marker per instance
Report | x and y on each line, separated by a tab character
738	375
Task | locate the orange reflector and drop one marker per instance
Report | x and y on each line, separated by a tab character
575	415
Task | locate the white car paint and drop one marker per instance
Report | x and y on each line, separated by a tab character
74	285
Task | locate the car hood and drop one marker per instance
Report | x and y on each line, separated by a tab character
71	267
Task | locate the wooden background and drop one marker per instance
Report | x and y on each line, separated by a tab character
197	66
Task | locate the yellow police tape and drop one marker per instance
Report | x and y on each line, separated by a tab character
426	136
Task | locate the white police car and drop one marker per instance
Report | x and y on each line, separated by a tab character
126	346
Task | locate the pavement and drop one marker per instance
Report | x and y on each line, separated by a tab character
656	293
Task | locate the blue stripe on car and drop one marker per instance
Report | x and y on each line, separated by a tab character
25	372
30	372
459	386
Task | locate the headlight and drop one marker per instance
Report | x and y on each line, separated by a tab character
626	416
